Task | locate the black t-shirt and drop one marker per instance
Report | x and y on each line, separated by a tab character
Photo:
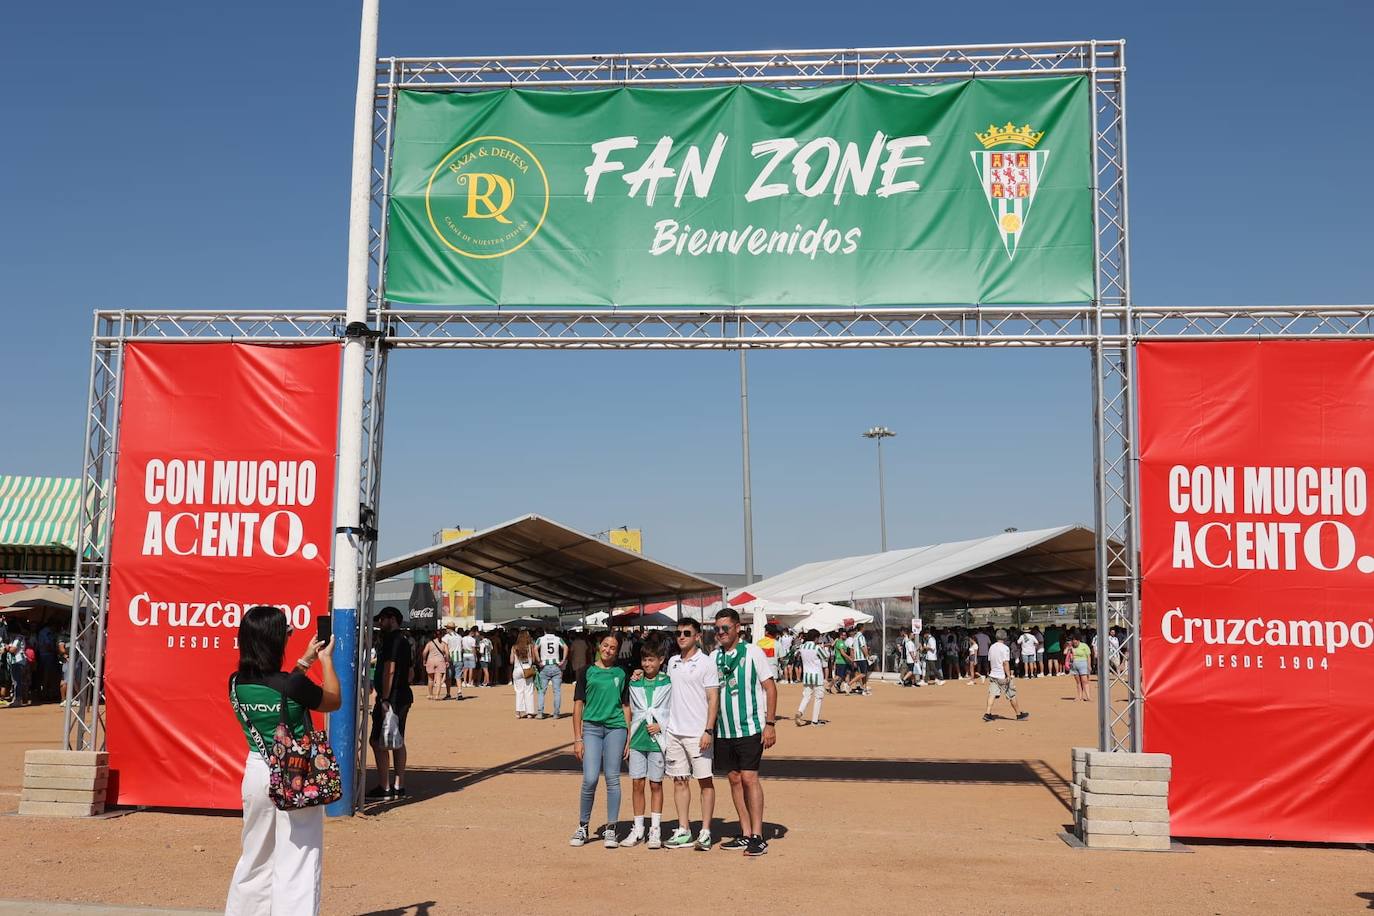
394	647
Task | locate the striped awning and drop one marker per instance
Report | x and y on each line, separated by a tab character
38	524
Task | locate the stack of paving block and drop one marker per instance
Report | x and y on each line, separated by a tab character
1080	768
1124	800
64	783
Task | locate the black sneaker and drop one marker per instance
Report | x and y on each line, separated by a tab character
756	846
735	842
988	717
377	792
398	792
1022	715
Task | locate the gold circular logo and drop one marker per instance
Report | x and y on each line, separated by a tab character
487	197
1011	222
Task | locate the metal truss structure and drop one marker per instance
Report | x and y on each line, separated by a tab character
1108	326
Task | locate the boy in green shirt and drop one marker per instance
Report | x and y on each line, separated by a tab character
648	710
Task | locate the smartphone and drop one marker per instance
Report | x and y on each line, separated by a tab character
324	627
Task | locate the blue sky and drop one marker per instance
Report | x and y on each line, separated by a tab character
189	155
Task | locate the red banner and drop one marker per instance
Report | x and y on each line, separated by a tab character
1258	619
224	499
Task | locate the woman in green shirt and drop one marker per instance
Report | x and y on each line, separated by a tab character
279	870
1080	664
601	718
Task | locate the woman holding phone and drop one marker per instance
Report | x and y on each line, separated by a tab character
601	720
279	869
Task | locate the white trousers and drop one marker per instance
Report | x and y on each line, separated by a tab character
524	695
279	871
817	691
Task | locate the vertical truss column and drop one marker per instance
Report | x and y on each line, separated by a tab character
1114	428
1114	412
374	405
83	721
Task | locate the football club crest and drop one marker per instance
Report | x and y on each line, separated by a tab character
1010	176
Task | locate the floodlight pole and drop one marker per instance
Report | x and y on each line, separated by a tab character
748	497
880	433
347	619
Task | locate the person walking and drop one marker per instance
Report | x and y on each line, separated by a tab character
601	719
932	660
485	651
813	679
690	738
435	657
522	676
1000	677
744	730
453	645
392	685
552	654
279	867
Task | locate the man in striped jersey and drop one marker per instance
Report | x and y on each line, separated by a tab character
813	678
744	727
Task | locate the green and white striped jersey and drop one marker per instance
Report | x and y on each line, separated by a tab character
813	666
742	702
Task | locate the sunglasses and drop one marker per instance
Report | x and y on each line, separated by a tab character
724	629
686	633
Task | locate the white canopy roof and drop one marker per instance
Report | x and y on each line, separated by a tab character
1025	567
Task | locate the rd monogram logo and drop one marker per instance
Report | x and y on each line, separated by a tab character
487	197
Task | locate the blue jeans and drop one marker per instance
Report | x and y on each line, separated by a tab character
551	674
603	749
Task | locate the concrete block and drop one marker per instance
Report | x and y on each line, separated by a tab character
1081	753
1126	787
62	772
1124	828
1135	815
75	796
67	758
1119	841
1091	798
1122	759
97	780
1148	774
59	809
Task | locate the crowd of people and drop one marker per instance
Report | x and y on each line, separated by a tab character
33	663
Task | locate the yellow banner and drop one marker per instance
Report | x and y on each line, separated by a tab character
459	591
628	538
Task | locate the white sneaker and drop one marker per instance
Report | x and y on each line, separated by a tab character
681	839
655	840
581	837
608	838
704	841
634	839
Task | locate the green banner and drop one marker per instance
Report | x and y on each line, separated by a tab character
976	192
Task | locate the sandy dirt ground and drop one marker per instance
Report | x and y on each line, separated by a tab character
906	802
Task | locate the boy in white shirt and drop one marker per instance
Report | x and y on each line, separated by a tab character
932	660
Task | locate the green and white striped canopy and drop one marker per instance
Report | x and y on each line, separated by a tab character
38	521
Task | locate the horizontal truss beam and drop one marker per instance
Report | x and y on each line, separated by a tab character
728	329
790	67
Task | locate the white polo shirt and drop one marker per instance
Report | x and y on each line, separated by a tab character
687	704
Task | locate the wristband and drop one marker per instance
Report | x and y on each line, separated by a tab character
302	663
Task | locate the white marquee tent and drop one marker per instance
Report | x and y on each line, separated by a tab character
1016	567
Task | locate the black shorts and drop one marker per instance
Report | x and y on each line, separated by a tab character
739	753
376	735
863	666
